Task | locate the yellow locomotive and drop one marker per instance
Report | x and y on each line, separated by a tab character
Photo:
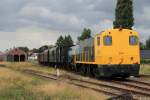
111	53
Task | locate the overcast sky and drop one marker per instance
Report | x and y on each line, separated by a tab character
34	23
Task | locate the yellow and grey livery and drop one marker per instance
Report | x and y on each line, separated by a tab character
114	52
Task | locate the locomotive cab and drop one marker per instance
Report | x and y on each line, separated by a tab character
117	52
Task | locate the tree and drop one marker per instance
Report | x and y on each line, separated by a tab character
41	49
124	14
68	42
64	41
25	49
34	50
148	43
85	34
60	41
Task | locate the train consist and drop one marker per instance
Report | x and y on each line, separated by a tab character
111	53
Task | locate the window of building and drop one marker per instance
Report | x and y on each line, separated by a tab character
133	40
108	40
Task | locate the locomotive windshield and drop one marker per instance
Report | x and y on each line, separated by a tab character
108	40
133	40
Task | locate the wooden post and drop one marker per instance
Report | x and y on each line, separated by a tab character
58	73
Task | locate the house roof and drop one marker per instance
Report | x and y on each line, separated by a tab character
1	53
16	51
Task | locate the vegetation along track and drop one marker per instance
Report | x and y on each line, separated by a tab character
108	87
55	78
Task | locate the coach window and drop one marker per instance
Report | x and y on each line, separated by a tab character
108	40
98	41
133	40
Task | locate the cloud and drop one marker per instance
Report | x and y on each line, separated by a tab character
36	22
34	12
30	36
50	19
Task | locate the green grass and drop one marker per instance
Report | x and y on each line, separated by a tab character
28	66
16	93
20	93
17	86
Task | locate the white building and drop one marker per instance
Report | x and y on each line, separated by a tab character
33	56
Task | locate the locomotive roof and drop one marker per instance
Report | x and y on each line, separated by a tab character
109	30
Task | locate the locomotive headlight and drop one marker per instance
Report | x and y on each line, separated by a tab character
110	58
137	63
132	58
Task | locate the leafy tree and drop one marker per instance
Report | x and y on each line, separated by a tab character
124	14
34	50
71	43
68	42
25	49
41	49
148	43
60	41
85	34
64	41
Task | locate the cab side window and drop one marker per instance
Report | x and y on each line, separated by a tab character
108	40
98	41
133	40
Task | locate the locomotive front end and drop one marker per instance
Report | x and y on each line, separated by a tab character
117	53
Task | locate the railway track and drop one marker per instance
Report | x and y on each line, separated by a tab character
55	78
136	92
139	90
133	85
140	80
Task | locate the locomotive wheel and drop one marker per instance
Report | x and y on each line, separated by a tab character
96	72
83	70
125	76
78	67
90	70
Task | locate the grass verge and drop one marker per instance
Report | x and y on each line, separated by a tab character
15	85
145	69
